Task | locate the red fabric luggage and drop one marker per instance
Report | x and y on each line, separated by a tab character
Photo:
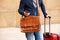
58	37
52	36
48	35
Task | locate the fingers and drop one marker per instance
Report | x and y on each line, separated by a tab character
26	14
48	16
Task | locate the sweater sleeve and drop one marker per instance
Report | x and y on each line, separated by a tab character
21	7
42	7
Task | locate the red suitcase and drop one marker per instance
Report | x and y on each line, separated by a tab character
48	35
58	37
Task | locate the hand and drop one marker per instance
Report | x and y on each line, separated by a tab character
47	16
26	14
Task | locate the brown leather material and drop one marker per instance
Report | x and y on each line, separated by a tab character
30	24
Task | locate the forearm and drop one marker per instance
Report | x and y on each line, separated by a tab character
21	11
21	7
43	8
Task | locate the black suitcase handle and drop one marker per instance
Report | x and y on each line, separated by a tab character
48	33
45	24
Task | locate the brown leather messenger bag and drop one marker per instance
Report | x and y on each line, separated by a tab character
30	24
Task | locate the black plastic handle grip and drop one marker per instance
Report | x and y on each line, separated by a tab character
49	16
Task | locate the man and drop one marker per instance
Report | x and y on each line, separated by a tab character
29	7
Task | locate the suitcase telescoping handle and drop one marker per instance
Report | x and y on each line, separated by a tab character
45	24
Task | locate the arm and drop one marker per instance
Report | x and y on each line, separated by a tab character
21	7
42	7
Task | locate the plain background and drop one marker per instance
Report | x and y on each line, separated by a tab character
9	16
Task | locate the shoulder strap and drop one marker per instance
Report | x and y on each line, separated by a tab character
37	3
38	7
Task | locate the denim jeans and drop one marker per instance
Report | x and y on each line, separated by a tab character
38	35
